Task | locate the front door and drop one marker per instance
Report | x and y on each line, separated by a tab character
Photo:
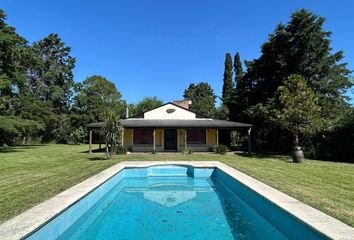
170	139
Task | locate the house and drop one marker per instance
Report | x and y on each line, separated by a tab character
173	127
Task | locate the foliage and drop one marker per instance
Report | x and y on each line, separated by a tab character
187	151
227	87
95	96
220	149
301	47
77	136
144	105
203	98
238	69
299	111
121	149
13	50
336	143
12	128
112	132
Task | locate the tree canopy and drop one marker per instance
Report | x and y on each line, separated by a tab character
203	98
146	104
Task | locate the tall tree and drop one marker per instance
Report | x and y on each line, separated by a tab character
238	69
12	51
51	80
301	47
227	81
54	77
15	123
203	98
95	96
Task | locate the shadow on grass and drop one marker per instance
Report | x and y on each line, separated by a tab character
102	150
19	148
97	158
265	156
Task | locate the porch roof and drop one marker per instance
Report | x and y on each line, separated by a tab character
176	123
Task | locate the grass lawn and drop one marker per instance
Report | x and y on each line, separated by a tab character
31	174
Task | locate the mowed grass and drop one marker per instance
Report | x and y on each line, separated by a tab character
31	174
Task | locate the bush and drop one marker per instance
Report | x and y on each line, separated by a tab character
220	149
121	150
187	151
77	136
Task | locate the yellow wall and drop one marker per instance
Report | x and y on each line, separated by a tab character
159	137
180	137
211	141
128	137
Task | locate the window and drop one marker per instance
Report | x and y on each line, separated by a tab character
196	136
143	136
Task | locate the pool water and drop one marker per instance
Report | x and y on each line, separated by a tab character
173	202
171	208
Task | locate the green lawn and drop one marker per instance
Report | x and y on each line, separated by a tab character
31	174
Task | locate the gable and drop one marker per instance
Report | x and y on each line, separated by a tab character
169	111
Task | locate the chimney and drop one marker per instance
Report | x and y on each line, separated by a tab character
126	112
182	103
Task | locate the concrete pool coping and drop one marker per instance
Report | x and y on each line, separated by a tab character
25	223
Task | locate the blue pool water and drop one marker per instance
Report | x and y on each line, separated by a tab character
171	203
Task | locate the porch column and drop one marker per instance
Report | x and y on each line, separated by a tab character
185	139
122	137
90	141
217	137
249	140
153	141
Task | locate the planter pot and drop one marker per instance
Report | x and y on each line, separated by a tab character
298	155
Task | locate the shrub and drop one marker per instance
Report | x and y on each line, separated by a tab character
77	136
187	151
120	149
220	149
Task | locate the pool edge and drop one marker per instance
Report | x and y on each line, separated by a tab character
29	221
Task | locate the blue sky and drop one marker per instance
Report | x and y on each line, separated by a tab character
158	47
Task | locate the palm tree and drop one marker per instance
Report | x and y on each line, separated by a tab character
112	132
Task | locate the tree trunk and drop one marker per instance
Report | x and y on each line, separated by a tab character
296	140
107	151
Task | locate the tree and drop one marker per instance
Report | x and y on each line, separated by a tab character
144	105
299	111
95	96
203	98
238	69
13	128
240	93
227	81
12	51
112	132
301	47
50	77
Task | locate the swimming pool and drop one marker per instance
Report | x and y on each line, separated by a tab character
178	201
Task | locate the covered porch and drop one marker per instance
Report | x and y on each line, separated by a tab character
143	135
